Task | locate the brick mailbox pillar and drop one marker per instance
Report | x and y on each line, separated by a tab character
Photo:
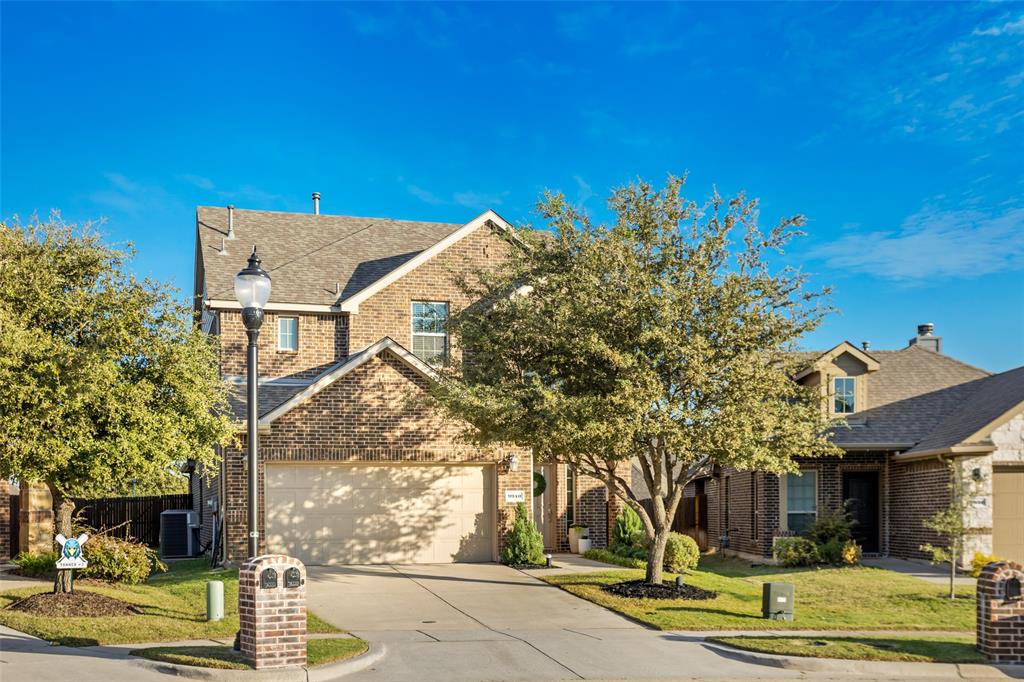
272	611
1001	612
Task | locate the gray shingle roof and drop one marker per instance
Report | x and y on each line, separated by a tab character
270	396
992	397
306	254
911	393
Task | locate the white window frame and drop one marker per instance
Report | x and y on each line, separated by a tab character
412	326
853	394
784	510
286	349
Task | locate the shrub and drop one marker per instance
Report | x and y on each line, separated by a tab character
831	525
118	561
831	552
796	551
609	557
979	562
629	539
524	544
681	553
36	564
851	553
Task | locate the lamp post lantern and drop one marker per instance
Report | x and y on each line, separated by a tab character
252	289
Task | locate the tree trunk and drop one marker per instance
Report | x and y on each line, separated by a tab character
656	556
65	510
952	575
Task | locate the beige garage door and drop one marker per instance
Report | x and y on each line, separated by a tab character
1008	514
373	514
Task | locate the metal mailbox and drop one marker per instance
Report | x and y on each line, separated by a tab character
268	579
777	601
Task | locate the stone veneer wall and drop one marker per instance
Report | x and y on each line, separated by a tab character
370	415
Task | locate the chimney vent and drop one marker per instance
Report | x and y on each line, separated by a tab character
223	248
926	338
866	345
231	221
316	203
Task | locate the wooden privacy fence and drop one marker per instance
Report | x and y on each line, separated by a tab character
133	517
691	518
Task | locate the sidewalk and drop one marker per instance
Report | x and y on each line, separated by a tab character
937	575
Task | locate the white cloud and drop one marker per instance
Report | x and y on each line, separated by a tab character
469	199
198	180
584	191
1015	27
424	195
934	244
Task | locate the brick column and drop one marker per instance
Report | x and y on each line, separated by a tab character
5	521
272	618
1000	615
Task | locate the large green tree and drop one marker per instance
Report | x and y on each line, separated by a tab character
662	338
104	381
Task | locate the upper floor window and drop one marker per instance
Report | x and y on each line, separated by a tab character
288	333
844	389
429	331
801	500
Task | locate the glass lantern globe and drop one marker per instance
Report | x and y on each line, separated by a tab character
252	285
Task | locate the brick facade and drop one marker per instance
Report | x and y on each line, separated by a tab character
1000	625
272	621
322	341
5	520
917	491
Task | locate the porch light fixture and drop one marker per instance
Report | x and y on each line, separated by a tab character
252	289
511	462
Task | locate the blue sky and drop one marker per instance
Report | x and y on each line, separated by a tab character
897	129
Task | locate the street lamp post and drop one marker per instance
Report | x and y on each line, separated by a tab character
252	289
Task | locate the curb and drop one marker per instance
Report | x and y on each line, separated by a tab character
886	669
321	673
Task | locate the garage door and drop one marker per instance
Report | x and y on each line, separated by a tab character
1008	514
372	514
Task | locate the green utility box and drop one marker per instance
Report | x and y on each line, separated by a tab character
777	601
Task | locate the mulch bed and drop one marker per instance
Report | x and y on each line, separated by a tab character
638	589
70	605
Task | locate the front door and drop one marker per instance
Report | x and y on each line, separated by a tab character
544	504
860	491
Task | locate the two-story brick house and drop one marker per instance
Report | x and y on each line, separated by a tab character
908	413
353	469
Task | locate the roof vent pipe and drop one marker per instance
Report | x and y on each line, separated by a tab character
231	221
316	203
925	329
223	247
866	345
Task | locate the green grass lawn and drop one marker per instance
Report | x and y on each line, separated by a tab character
318	652
173	606
851	598
926	649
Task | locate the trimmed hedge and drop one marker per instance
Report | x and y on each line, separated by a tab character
609	557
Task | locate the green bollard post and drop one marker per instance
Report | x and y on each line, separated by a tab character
214	600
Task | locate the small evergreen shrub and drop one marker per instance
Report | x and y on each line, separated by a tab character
831	552
796	551
524	544
681	553
118	561
36	564
831	525
609	557
851	553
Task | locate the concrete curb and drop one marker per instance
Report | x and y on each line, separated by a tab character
322	673
884	669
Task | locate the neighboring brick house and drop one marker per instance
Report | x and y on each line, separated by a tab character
353	469
909	412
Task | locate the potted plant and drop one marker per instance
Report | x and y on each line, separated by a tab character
584	545
577	532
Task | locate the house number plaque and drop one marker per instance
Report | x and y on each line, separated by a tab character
292	577
268	579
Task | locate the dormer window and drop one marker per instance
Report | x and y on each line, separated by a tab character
844	389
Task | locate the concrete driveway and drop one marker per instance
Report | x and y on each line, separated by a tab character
490	622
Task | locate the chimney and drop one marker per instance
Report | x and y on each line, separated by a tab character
926	338
316	203
866	345
231	221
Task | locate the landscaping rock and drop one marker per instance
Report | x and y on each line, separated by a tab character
77	604
638	589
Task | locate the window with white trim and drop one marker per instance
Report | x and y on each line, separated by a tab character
844	390
288	333
429	331
801	500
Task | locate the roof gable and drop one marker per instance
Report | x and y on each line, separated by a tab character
345	367
829	356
